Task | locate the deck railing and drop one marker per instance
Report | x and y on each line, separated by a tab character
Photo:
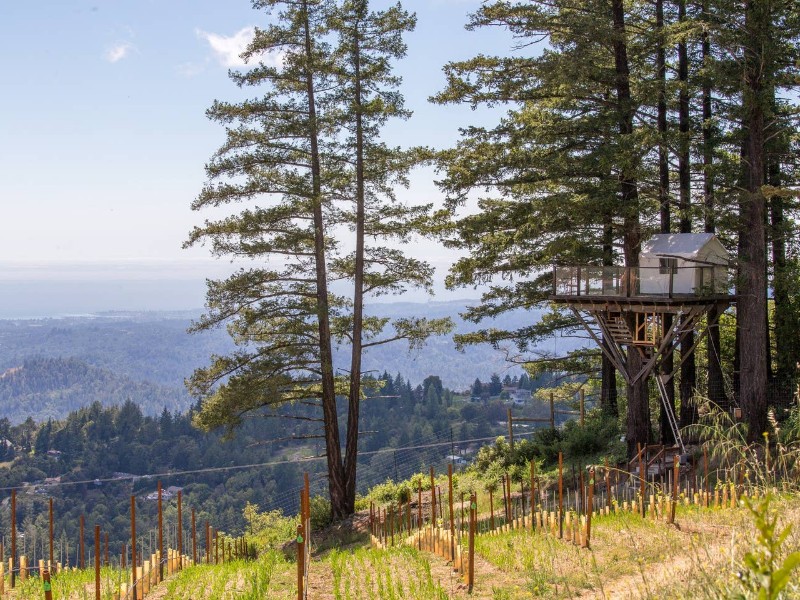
694	281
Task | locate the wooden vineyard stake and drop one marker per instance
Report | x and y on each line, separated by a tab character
82	564
473	520
208	543
560	495
47	587
97	562
675	480
160	537
133	546
194	540
180	532
491	507
51	532
452	514
608	485
301	557
589	509
705	476
433	499
419	513
533	495
642	479
105	553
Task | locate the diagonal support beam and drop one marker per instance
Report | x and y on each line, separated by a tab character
610	348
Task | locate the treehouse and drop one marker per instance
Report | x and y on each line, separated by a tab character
651	308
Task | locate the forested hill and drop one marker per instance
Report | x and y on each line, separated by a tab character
145	357
46	388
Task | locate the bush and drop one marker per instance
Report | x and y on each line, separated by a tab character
321	515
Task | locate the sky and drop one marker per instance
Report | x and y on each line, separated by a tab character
103	134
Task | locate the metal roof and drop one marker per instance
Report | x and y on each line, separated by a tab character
686	246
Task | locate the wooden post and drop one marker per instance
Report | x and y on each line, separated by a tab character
97	562
180	532
509	516
52	560
675	479
491	507
194	540
160	536
590	509
452	514
419	514
81	544
533	494
123	557
301	557
552	412
581	497
391	522
705	476
13	561
208	543
561	495
473	520
46	585
510	428
608	485
642	479
133	546
433	499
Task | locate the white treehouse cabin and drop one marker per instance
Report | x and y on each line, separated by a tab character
683	263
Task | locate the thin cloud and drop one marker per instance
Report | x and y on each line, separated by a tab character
119	51
228	49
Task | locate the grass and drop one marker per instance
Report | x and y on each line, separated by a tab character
268	577
69	585
392	574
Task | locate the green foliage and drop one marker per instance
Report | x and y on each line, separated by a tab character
767	570
321	515
269	530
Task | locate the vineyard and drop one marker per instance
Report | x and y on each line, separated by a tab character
715	527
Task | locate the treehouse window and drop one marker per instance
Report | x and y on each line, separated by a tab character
667	266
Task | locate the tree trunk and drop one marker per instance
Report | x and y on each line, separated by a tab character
688	368
336	482
638	429
752	305
354	403
716	384
664	202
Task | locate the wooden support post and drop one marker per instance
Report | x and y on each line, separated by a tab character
590	509
133	546
473	522
491	507
560	495
160	536
608	485
52	560
642	480
47	586
675	480
419	514
433	499
301	557
13	561
194	540
81	544
452	514
180	532
705	476
533	495
208	543
97	562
